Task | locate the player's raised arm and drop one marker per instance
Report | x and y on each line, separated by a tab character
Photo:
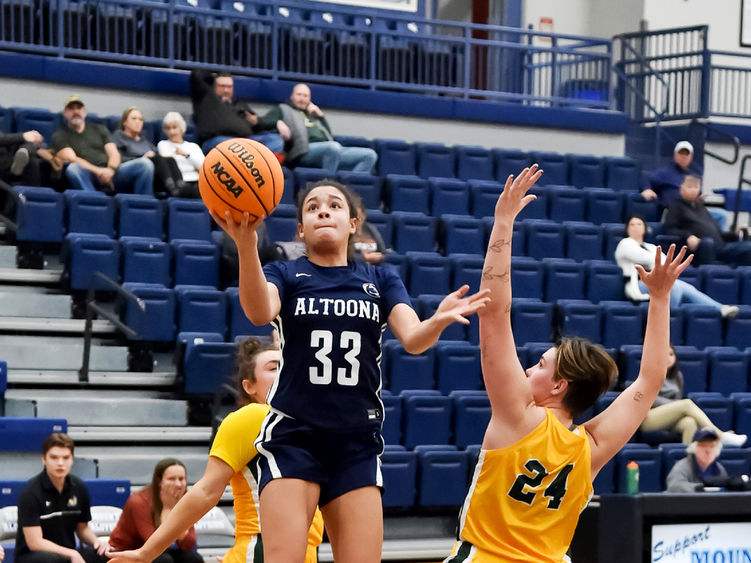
612	428
505	381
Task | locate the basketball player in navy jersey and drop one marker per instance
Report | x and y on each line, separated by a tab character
320	443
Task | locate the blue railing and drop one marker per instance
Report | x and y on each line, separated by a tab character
335	45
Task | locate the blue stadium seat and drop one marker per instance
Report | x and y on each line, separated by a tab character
741	412
462	235
691	275
604	281
471	417
671	453
728	370
427	304
555	166
630	362
85	255
650	467
613	233
201	309
90	212
39	215
718	408
694	366
538	209
677	323
604	401
474	163
139	216
448	196
304	176
722	283
399	470
281	225
739	328
367	186
604	483
108	492
484	196
564	279
24	434
384	222
527	276
566	204
737	461
635	204
408	371
157	320
392	418
580	318
427	418
414	231
435	160
442	477
288	195
239	324
146	260
208	367
407	193
195	263
531	320
604	205
586	171
396	157
187	219
457	366
745	276
703	326
398	264
622	173
545	239
622	323
428	272
467	269
584	241
42	120
509	161
7	122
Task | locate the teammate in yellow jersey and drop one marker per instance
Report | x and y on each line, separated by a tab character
231	460
535	470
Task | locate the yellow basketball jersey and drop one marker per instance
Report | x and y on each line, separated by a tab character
525	499
233	444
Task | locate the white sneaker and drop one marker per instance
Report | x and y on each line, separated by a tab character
20	160
728	311
733	439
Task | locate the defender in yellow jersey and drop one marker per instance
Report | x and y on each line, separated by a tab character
535	470
232	460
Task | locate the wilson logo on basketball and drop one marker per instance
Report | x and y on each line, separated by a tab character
247	159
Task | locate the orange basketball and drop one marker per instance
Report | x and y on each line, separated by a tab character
241	175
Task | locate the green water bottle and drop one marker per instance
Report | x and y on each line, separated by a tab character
632	478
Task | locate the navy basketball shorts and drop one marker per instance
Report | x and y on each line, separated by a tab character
338	462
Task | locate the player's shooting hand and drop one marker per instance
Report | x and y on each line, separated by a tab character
514	196
660	279
242	233
456	306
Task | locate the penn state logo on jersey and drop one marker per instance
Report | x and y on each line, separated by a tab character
371	289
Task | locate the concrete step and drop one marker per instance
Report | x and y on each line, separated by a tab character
35	305
24	465
7	256
17	275
53	354
141	434
58	325
98	378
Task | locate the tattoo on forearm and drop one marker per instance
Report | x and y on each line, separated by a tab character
638	396
498	245
488	275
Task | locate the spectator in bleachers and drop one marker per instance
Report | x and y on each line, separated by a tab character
54	508
19	162
133	145
187	157
94	163
688	218
145	510
232	452
309	140
367	241
219	115
633	250
671	411
700	468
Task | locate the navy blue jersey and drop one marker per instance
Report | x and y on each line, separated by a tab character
330	327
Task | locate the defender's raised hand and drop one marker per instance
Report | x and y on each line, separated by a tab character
660	280
514	197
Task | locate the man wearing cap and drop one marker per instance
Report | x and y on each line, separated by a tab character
93	159
700	467
665	181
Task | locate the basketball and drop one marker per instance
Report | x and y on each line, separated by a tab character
241	175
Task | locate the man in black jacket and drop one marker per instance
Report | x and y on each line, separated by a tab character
688	218
220	116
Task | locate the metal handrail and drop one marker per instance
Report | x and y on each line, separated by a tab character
93	307
633	34
734	141
640	59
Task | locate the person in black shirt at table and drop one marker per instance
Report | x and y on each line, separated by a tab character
54	508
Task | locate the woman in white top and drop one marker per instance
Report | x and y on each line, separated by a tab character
188	156
632	250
